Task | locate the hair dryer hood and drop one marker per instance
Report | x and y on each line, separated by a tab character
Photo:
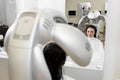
93	14
74	42
32	28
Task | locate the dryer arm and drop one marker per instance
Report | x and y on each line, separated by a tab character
74	42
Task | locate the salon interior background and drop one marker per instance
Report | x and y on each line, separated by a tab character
10	8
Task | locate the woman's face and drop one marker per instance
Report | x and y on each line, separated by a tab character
90	32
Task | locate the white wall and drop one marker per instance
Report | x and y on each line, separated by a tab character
53	4
2	12
112	44
22	5
10	11
7	11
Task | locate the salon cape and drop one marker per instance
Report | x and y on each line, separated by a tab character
98	52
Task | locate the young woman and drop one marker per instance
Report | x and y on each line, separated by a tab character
97	45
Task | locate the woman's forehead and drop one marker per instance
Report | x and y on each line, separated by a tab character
90	29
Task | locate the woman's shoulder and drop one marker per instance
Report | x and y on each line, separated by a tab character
97	39
99	42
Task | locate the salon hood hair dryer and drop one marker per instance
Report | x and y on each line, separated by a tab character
31	31
92	18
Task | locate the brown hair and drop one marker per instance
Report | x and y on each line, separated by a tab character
55	58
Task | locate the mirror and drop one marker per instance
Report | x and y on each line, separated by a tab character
79	7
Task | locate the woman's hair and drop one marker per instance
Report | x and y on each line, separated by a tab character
55	58
93	27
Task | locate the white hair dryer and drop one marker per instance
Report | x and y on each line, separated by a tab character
25	39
